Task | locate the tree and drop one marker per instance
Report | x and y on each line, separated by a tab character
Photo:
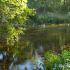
13	16
49	11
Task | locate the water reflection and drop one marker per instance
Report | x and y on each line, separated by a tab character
1	56
28	65
36	64
39	62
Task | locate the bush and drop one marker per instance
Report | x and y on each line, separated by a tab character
66	55
51	60
57	62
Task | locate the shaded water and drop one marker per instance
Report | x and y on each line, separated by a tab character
36	64
25	66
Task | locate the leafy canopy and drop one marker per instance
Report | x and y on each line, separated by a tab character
13	16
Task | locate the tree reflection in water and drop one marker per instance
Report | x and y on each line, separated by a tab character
37	64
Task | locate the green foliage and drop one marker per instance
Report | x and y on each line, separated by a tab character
58	8
65	59
51	60
13	17
57	62
66	55
15	14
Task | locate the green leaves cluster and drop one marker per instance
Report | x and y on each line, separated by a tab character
13	17
57	62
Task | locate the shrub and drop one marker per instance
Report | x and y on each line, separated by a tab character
51	60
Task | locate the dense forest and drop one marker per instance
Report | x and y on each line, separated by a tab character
27	25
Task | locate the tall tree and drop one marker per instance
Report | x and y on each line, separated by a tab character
50	11
13	16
